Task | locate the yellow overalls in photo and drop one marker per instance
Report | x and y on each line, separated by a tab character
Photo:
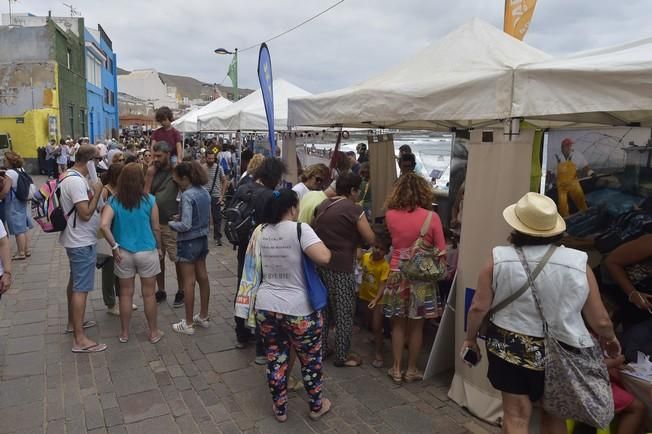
568	185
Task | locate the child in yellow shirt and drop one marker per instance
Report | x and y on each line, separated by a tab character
375	270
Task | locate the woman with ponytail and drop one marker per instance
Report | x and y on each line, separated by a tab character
191	227
284	314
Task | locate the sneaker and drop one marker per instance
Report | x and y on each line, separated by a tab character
260	360
178	299
183	327
241	345
218	243
115	310
201	322
134	307
160	296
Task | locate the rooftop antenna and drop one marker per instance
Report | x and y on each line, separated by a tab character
73	12
10	15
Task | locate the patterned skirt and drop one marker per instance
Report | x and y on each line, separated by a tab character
407	299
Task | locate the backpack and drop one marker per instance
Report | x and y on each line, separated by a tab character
47	209
24	187
240	217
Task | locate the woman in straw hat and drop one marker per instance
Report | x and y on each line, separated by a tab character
567	290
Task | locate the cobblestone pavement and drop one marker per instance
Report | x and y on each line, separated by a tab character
186	384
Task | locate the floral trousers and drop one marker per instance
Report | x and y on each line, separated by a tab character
304	333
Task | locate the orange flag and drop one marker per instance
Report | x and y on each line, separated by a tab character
518	14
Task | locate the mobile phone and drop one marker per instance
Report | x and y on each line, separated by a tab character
470	356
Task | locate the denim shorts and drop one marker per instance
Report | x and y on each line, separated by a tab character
82	267
192	250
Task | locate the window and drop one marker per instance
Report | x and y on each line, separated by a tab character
106	95
68	55
71	119
93	70
82	122
109	65
112	98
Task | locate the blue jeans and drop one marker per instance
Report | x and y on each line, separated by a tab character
82	267
192	250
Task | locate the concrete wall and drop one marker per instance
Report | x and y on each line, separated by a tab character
27	86
24	44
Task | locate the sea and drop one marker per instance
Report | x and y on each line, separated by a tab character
432	150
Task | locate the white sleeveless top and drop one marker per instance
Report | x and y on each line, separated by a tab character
562	288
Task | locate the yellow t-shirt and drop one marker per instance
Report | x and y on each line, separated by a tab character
373	273
309	202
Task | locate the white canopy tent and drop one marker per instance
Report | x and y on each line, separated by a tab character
248	114
609	86
476	77
188	122
463	80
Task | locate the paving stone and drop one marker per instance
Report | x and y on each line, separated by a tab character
214	343
158	425
218	412
372	393
32	316
113	417
34	329
293	424
23	390
227	361
56	427
133	381
244	379
21	417
187	425
406	419
21	365
229	427
256	403
142	405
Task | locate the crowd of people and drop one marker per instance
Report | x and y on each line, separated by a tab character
128	208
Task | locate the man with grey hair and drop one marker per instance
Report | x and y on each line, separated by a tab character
158	181
79	201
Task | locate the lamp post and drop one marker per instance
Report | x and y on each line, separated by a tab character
233	69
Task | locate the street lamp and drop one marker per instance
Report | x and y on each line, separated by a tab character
233	69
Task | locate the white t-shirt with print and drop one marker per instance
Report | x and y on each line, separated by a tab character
283	289
79	233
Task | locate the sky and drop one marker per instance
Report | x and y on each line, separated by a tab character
350	43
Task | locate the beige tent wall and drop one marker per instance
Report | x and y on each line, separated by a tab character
289	157
382	171
498	174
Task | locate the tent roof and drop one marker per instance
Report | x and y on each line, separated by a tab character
605	86
249	112
188	122
462	80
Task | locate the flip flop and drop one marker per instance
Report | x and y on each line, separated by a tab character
378	363
87	324
18	257
411	377
95	348
123	340
28	253
157	338
397	378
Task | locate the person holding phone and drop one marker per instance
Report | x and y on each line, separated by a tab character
568	293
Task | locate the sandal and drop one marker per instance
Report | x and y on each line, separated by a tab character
87	324
378	363
157	338
123	340
325	408
28	253
413	376
95	348
396	377
279	417
18	257
353	361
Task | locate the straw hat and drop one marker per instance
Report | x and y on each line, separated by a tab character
535	214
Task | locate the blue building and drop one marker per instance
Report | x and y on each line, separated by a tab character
101	85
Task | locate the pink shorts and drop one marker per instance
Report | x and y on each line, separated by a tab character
622	398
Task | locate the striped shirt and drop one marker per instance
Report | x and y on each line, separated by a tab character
215	170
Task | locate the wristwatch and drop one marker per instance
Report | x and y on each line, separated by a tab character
115	247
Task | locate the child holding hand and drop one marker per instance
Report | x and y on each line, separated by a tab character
375	270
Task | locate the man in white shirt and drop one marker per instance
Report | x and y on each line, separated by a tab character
79	238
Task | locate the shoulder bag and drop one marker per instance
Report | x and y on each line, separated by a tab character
506	302
317	292
576	379
424	263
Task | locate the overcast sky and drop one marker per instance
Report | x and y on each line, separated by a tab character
355	40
